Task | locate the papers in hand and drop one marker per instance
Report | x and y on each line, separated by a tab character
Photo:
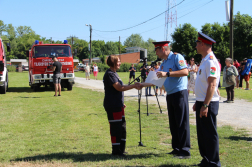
153	79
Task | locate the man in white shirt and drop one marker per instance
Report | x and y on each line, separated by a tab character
207	102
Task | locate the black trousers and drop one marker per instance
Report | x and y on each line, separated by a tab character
241	78
178	113
117	123
208	139
230	93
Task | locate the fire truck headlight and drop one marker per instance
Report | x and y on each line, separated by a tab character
37	77
69	75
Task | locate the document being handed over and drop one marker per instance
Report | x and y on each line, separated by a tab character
153	79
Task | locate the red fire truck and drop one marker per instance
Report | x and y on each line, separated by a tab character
40	62
3	68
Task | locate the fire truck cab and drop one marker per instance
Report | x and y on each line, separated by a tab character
3	68
40	64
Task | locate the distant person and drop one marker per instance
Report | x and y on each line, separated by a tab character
229	70
236	64
132	71
95	71
57	68
241	71
114	105
246	72
192	68
87	70
156	69
219	85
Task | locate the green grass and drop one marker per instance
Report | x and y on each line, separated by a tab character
72	130
239	93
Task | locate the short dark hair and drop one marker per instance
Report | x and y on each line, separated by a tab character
112	61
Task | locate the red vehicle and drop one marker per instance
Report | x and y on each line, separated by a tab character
40	63
3	68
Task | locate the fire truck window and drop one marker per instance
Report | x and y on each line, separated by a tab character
48	51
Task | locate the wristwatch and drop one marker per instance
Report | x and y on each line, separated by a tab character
168	74
205	105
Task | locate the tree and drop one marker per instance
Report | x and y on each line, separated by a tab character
221	35
134	40
242	36
151	54
184	40
2	27
111	48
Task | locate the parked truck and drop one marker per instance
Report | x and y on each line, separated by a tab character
40	64
3	68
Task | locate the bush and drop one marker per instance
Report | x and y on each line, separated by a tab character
11	68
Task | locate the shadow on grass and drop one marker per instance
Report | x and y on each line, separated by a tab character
80	157
29	90
237	138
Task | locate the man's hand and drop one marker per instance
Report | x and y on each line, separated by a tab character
203	112
161	74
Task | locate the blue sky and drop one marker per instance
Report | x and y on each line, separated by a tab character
60	19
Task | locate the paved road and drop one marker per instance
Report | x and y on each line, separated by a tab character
238	114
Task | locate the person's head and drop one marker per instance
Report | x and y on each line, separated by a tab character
245	60
132	65
159	63
114	62
156	65
204	43
235	61
54	58
162	49
94	64
192	61
228	61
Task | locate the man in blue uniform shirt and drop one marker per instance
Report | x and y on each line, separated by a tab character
207	102
175	71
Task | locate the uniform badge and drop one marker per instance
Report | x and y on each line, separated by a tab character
181	63
211	57
199	71
170	69
212	70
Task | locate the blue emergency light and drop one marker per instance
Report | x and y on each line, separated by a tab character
65	42
36	42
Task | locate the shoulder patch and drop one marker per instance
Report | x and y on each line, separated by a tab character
181	63
212	70
175	53
211	57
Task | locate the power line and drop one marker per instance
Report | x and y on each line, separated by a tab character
142	22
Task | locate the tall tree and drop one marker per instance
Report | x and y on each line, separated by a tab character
242	36
184	40
134	40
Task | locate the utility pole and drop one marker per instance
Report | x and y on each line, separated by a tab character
90	44
120	47
231	40
51	40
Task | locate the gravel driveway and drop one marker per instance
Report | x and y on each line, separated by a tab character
237	115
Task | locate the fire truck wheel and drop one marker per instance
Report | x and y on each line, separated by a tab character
3	88
69	86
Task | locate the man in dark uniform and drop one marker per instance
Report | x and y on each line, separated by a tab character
174	69
57	68
207	102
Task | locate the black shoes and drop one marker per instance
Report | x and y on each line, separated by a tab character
118	153
173	152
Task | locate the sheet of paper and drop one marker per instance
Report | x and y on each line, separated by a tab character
152	78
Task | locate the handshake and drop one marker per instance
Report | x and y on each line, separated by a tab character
138	86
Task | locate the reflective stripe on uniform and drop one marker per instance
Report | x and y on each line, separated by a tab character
114	144
123	139
118	120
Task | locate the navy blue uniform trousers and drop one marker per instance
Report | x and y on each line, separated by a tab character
116	118
208	139
178	113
